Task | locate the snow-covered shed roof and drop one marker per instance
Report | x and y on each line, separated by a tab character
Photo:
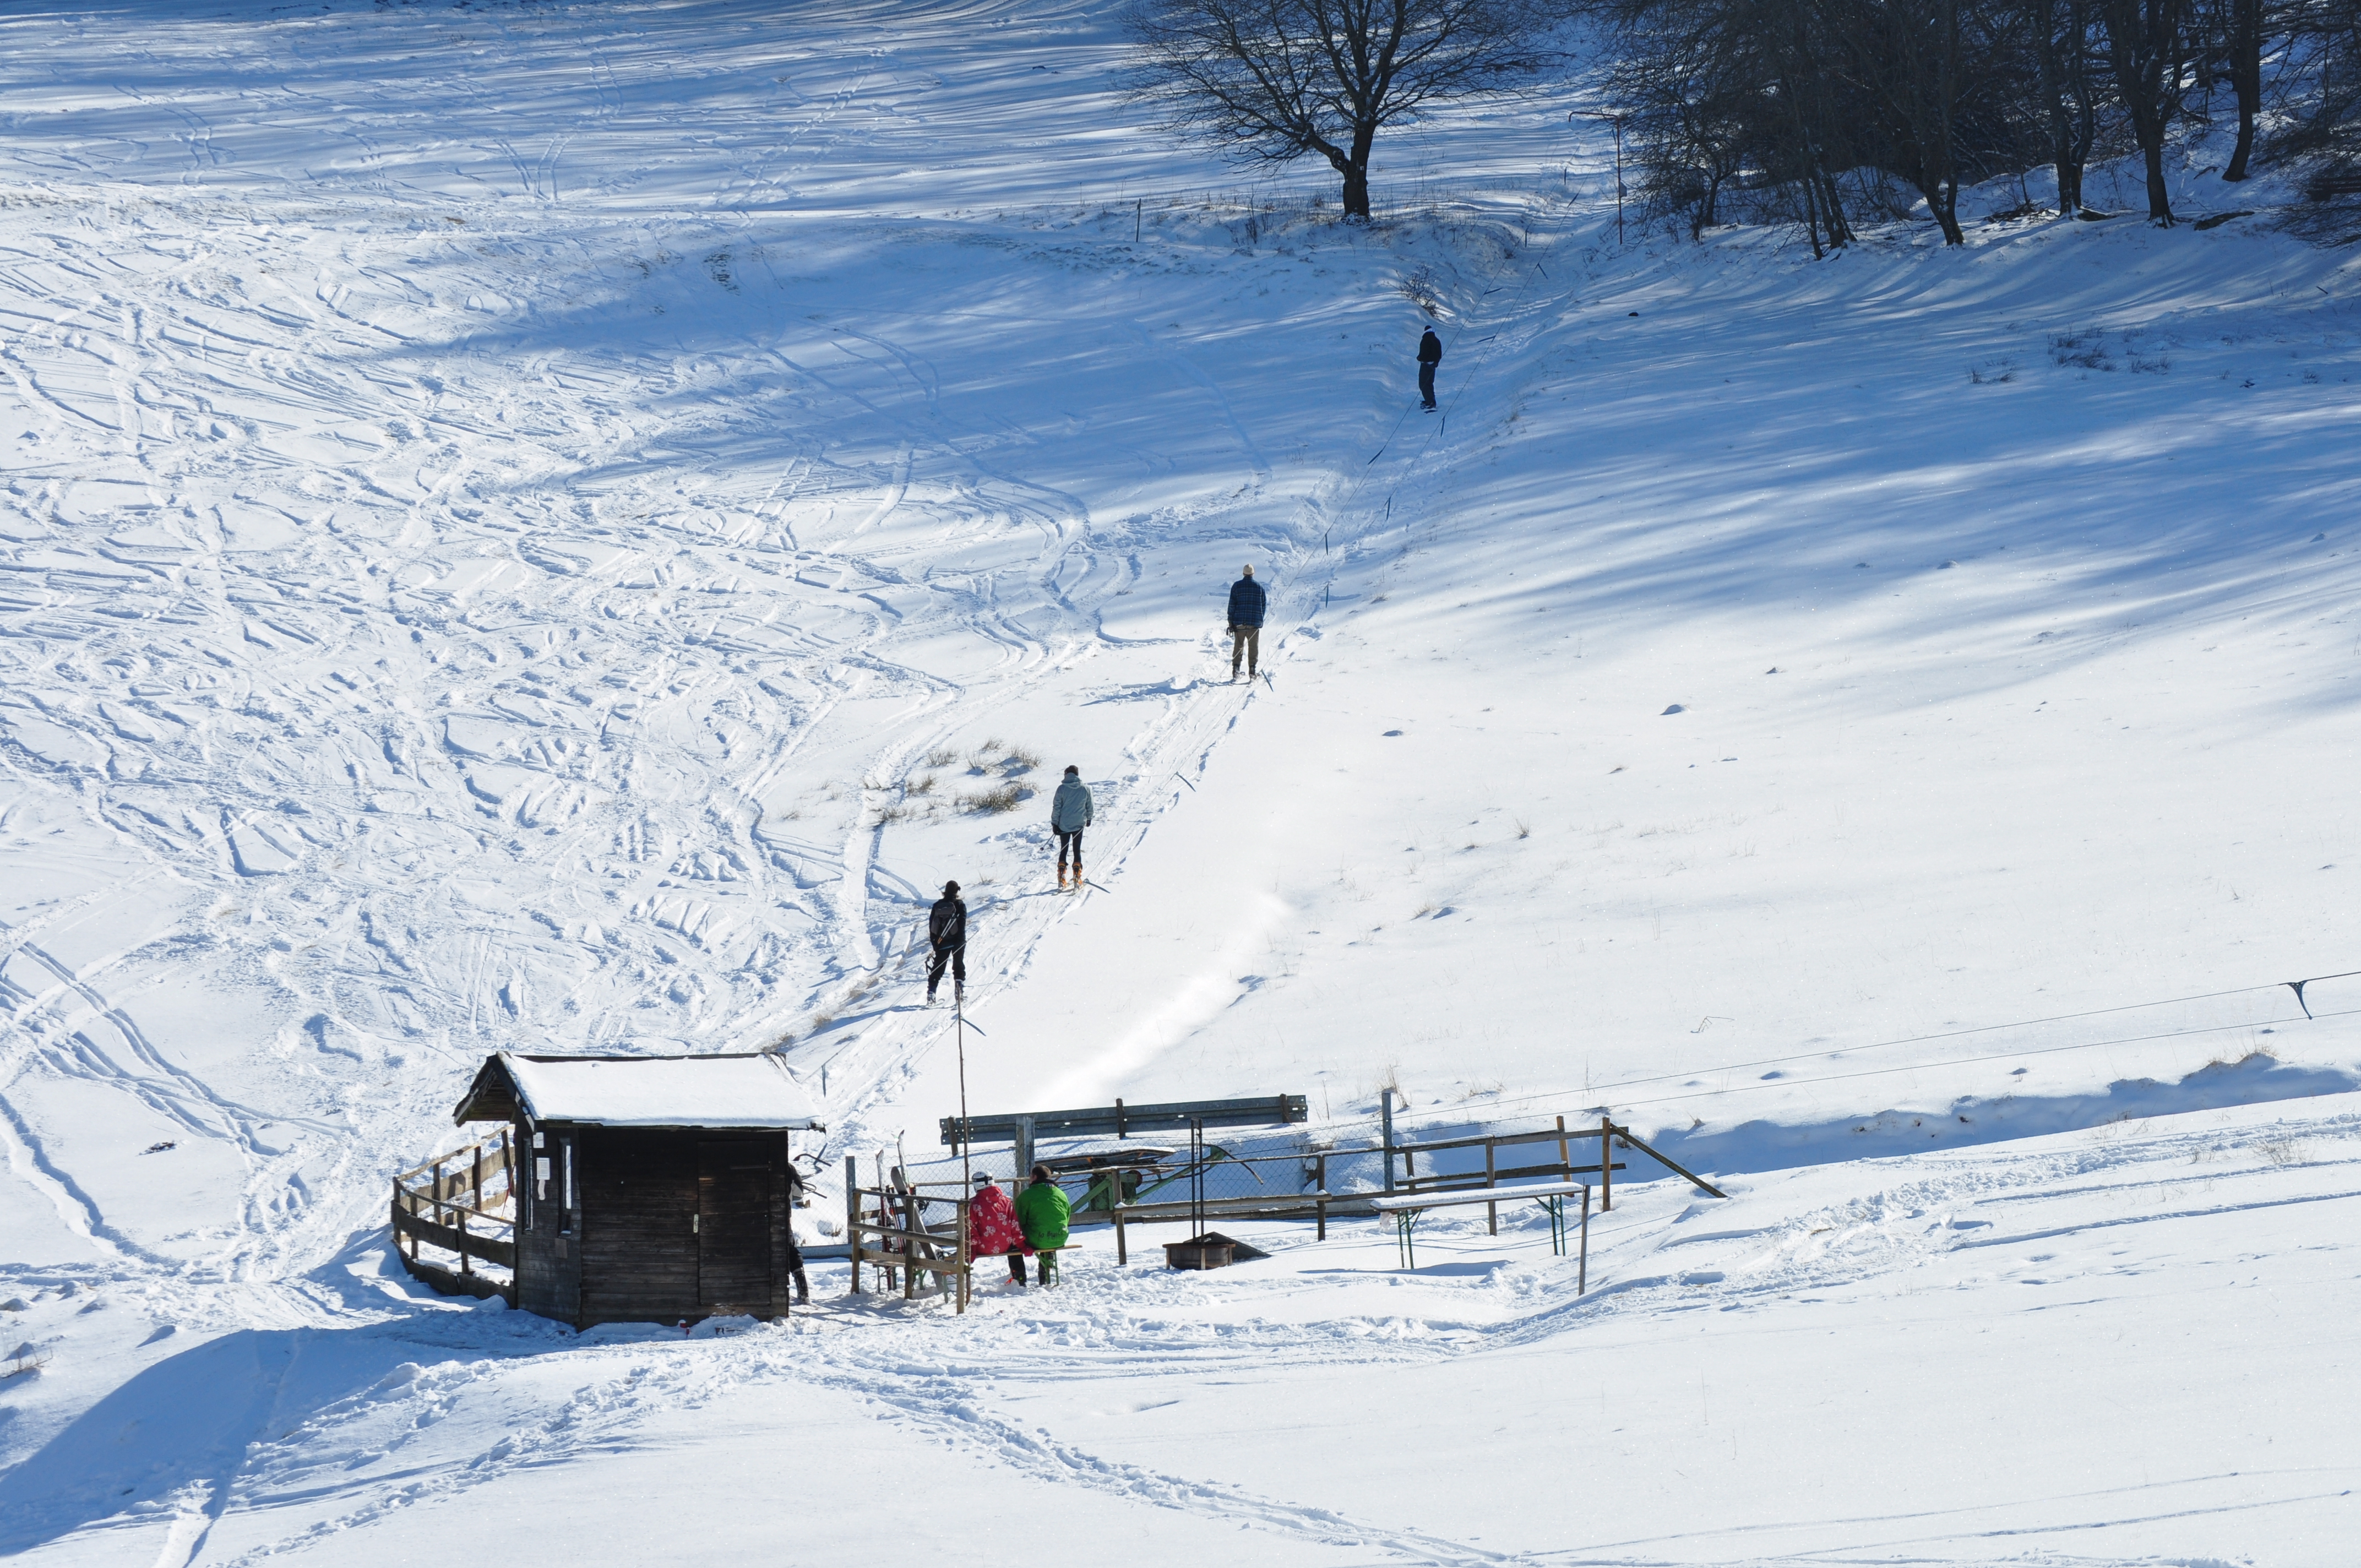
739	1091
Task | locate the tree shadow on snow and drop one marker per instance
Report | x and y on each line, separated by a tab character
1973	1120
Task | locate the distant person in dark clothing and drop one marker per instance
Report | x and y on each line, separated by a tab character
798	1197
1245	623
1070	813
1429	355
947	934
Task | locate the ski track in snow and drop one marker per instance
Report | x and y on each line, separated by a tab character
388	1448
505	589
522	653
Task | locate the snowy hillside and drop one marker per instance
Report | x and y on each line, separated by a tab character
545	526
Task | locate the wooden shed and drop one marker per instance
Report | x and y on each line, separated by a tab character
650	1189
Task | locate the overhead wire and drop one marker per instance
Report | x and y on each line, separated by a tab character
1605	1096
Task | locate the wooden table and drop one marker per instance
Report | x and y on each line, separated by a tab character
1551	1195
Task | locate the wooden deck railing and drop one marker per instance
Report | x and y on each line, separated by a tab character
433	1204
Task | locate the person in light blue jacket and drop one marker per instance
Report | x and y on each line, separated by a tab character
1070	813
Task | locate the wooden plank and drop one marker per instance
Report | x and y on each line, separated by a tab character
494	1216
1459	1179
1502	1140
932	1238
1148	1213
1668	1165
491	1249
1467	1196
450	1284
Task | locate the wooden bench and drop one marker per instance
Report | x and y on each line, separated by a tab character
1406	1208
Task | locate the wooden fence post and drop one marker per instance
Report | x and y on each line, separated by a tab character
1320	1183
962	1255
1121	1257
1605	1165
1491	1210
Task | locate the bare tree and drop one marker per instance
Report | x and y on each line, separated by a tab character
2240	25
2145	42
1916	63
2068	97
1274	81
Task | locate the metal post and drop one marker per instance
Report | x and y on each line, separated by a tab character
1386	1131
959	1028
1197	1177
1582	1272
1321	1184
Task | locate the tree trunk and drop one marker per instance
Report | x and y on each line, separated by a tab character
2159	199
2245	50
1356	191
1354	166
1840	229
2142	41
1704	217
1812	213
2053	104
1943	201
2086	103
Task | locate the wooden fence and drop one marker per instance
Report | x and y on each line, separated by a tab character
1501	1154
904	1243
433	1205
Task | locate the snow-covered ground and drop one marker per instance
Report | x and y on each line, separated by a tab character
524	524
2122	1344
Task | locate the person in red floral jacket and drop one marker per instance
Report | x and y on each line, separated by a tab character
991	1227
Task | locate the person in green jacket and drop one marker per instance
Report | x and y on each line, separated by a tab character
1041	1210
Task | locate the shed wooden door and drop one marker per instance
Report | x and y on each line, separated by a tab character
733	1227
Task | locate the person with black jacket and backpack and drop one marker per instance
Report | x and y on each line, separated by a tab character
1430	355
946	935
1245	623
